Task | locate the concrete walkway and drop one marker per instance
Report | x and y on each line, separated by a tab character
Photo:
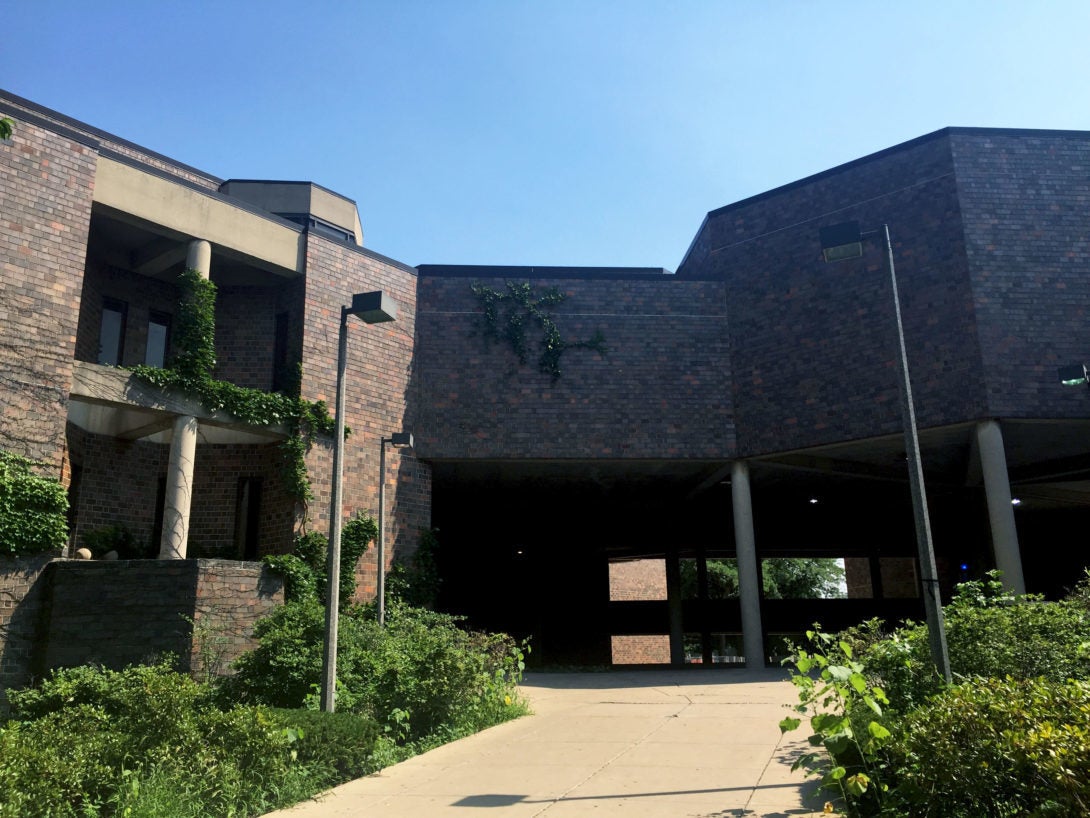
642	744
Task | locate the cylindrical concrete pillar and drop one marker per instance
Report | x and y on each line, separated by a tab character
997	489
199	257
179	493
749	588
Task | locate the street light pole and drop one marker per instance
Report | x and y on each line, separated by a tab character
845	241
371	308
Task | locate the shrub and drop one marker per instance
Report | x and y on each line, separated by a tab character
996	747
989	633
89	740
335	746
33	509
419	675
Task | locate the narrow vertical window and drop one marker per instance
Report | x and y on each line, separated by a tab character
248	517
111	338
155	353
281	377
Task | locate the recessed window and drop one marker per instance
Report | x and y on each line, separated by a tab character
155	353
111	337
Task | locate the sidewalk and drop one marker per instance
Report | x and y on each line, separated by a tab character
642	744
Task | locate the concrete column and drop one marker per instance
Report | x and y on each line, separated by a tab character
199	257
673	602
997	489
183	447
179	493
749	588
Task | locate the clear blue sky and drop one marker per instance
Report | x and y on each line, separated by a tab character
589	132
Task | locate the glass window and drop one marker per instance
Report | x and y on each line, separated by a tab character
155	353
111	338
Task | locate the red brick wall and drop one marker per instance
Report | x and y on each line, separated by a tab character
46	182
21	599
637	580
641	650
379	388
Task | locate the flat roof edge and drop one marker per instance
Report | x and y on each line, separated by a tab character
79	126
530	271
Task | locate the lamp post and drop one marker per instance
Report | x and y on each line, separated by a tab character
371	308
397	440
844	241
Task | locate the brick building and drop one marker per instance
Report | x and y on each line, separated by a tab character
746	404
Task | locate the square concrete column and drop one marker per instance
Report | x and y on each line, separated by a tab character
749	584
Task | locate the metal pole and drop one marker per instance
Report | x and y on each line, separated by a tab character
380	591
333	555
936	628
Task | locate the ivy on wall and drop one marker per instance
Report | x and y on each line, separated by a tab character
192	363
506	315
33	509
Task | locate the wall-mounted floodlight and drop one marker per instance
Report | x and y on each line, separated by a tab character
371	308
399	440
841	241
1074	375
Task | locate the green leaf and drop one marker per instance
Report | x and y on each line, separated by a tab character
788	724
846	648
837	773
858	683
878	731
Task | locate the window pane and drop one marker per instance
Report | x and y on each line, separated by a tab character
156	352
109	339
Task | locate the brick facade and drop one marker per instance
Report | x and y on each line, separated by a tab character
380	391
21	599
662	390
46	181
813	346
120	613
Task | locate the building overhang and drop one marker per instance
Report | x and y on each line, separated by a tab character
128	192
114	402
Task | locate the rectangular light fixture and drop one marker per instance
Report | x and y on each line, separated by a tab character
841	241
1073	375
373	308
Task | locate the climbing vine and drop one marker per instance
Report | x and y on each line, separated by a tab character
191	368
505	316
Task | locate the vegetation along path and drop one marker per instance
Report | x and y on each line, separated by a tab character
701	743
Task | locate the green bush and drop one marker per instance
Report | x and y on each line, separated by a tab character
418	676
335	746
989	633
94	742
33	509
995	747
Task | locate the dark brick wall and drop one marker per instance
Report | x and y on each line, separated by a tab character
45	190
21	600
1025	201
661	391
813	346
119	613
380	393
246	330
